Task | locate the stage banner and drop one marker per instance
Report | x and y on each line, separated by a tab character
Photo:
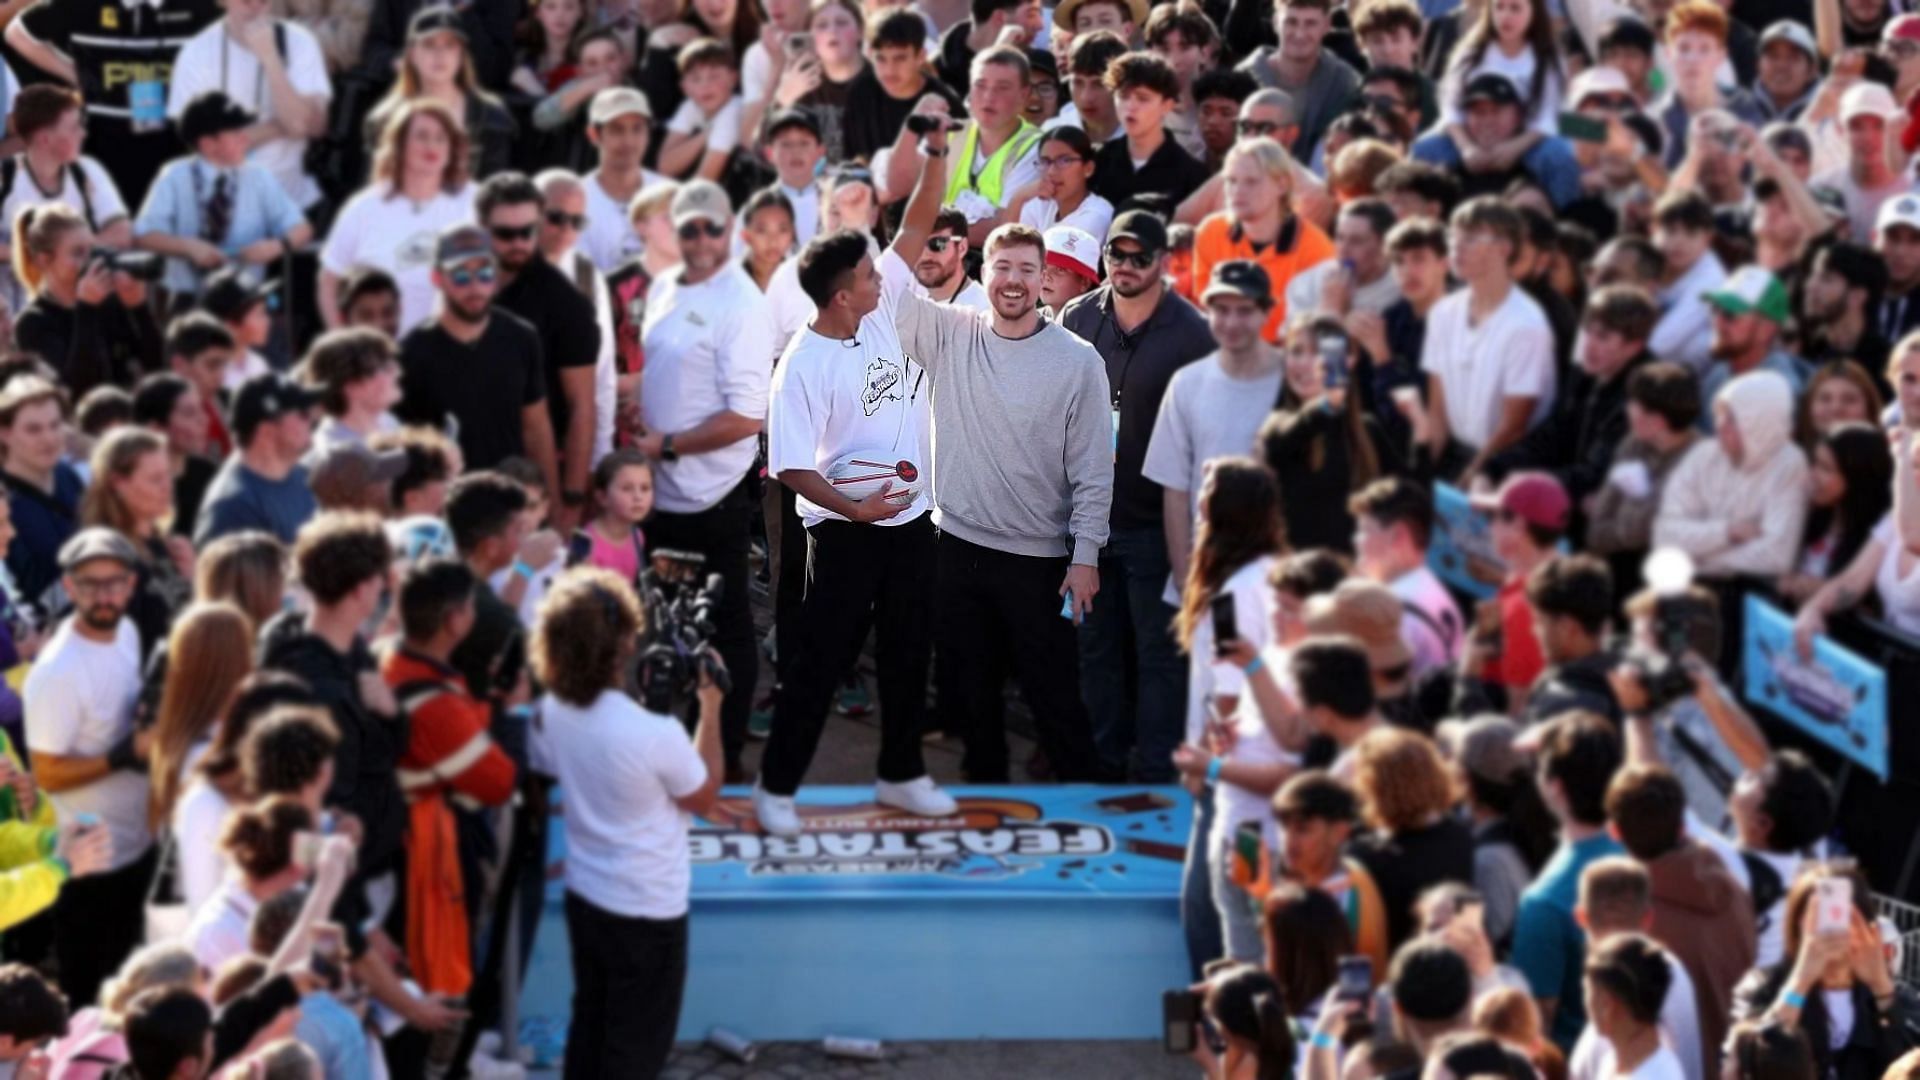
1461	550
1840	698
1118	842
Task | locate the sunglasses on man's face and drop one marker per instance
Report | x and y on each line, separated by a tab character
507	234
939	244
469	275
560	219
1139	260
693	230
1254	129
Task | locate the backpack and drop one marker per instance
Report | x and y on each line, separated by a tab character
1764	885
10	172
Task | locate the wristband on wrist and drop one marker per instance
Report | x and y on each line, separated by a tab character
1213	769
521	568
1793	997
1254	667
1323	1041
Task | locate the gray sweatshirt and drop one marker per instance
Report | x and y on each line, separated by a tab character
1022	433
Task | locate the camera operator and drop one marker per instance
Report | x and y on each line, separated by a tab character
631	778
88	316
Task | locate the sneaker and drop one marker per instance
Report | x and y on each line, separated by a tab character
919	796
776	813
854	700
760	721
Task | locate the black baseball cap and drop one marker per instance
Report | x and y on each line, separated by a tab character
1490	86
266	398
1142	228
212	113
227	295
1240	277
432	20
792	118
1044	60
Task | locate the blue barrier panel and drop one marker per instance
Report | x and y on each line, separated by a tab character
1038	913
1460	551
1840	698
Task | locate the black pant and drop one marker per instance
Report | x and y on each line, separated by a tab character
628	978
1000	613
98	922
857	576
790	591
720	533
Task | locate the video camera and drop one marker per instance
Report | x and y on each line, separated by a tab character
1661	668
143	265
681	606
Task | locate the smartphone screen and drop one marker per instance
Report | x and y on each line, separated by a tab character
1226	627
1248	852
1835	898
1180	1015
1356	978
1582	128
1333	350
306	849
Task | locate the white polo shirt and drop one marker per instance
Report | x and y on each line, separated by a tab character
709	347
1509	354
834	397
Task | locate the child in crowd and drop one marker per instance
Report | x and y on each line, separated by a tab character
704	132
613	540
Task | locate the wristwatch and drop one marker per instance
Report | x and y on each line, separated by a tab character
667	452
933	153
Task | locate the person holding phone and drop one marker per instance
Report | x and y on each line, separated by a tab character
1244	1005
1227	748
1321	445
273	848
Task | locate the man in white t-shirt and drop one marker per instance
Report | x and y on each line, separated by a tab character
1393	525
275	70
845	386
1489	353
1616	897
709	345
79	696
619	125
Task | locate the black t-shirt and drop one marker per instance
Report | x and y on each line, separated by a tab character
1406	863
874	117
828	103
1163	183
189	491
564	319
482	386
123	55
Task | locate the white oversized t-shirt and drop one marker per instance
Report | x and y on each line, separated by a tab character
621	770
384	230
79	701
1509	354
833	397
609	239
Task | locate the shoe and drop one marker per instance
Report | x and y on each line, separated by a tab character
776	813
919	796
760	721
854	700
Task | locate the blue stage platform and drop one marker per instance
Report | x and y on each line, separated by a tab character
1039	913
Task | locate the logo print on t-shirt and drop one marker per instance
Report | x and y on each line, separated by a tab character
416	251
883	384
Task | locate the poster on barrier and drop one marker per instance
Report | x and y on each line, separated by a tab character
1840	698
1461	551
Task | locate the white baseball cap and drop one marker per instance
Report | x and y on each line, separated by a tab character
1072	248
1867	99
1904	210
1598	79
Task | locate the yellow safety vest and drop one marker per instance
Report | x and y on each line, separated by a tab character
989	183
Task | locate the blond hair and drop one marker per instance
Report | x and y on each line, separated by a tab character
37	232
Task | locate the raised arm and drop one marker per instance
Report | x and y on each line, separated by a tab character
917	222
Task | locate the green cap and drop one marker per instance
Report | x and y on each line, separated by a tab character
1752	291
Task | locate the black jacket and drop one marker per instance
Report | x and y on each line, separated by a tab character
1577	441
365	780
1876	1040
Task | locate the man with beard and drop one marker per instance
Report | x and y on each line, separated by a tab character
1841	293
1144	332
1748	313
474	371
510	207
709	342
80	697
1023	448
941	269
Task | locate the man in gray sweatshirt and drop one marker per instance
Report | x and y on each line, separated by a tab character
1022	486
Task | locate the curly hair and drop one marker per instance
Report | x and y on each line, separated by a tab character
586	631
1401	778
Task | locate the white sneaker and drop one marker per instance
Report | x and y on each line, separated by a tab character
776	813
917	796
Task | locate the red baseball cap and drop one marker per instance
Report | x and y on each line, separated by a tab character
1534	497
1901	28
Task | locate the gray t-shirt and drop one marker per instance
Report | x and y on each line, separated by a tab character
1206	414
240	499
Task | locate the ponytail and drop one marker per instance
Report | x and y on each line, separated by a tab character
1275	1043
23	265
37	230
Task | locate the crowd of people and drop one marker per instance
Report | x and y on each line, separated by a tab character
402	405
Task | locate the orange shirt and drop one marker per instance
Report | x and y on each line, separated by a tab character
1300	245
